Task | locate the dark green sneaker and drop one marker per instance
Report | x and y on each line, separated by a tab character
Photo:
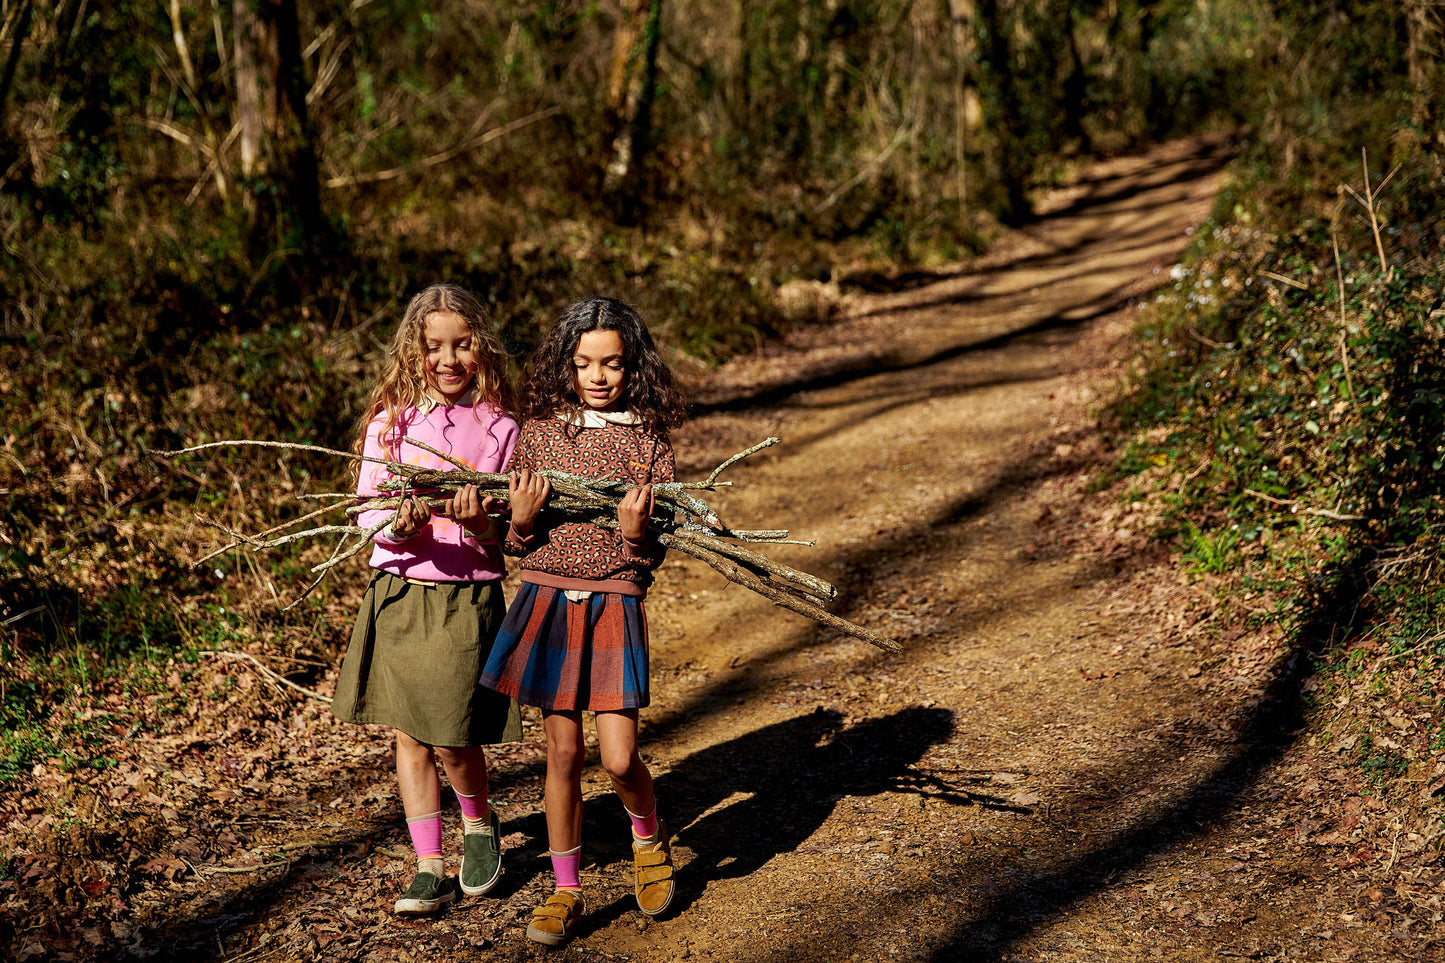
427	894
482	858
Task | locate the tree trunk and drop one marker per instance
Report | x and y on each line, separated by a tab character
743	91
249	43
296	141
277	144
1075	85
12	60
965	99
1425	23
1010	162
627	126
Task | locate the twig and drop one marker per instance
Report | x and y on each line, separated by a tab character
1284	280
1424	640
765	443
868	170
736	573
1344	353
823	591
446	155
1207	342
243	442
267	672
215	870
1394	846
1368	202
1294	506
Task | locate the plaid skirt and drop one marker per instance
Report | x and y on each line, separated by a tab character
413	661
558	654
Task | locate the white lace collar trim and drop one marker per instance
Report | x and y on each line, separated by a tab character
592	418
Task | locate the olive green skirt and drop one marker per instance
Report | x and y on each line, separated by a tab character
414	659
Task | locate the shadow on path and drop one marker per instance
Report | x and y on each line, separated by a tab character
738	804
1013	912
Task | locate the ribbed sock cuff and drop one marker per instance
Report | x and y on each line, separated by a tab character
644	828
567	868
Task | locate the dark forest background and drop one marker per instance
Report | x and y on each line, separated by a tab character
213	212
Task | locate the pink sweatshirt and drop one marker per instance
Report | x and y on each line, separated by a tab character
480	437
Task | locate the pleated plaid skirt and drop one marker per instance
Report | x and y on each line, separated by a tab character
559	654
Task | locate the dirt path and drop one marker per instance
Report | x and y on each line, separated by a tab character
1045	772
1066	762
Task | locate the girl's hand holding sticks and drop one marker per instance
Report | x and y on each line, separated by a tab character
472	511
410	517
528	492
634	511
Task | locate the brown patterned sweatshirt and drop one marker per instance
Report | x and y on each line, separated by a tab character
580	555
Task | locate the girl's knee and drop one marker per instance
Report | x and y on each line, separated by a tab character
411	748
564	755
451	758
621	764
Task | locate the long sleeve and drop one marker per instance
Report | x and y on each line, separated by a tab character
481	438
560	549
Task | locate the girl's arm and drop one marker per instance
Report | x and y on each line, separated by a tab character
412	515
467	508
635	510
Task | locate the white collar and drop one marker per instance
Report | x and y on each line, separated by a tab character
578	417
430	400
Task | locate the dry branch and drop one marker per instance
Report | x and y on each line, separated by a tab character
682	521
266	671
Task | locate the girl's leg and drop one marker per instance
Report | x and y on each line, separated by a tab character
416	776
651	854
563	794
554	922
466	768
617	739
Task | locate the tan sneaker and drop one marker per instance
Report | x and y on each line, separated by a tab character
555	921
653	872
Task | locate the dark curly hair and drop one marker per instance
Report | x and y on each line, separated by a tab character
650	392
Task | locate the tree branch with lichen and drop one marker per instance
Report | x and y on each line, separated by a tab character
682	521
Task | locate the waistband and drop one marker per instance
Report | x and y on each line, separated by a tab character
617	586
434	583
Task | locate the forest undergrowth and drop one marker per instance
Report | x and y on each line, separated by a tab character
1284	426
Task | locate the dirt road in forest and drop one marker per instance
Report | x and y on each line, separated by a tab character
1042	773
1067	761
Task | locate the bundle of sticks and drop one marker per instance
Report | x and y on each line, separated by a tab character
682	521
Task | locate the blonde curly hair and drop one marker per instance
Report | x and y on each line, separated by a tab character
403	382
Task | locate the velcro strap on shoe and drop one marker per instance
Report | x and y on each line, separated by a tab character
559	907
644	859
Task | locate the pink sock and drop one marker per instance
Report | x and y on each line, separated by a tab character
473	806
643	827
567	867
426	835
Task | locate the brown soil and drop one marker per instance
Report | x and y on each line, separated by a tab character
1069	760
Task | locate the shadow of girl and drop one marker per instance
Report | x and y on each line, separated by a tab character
793	774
